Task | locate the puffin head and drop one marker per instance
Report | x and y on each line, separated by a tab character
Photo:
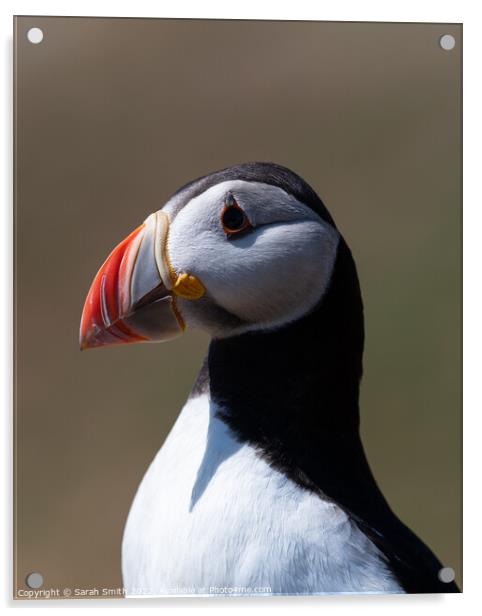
251	247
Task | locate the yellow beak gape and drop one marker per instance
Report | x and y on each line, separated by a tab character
188	286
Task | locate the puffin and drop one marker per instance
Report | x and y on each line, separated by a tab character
262	485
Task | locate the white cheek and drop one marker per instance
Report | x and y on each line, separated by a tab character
196	247
270	276
277	275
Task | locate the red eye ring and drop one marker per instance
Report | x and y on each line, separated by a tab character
233	218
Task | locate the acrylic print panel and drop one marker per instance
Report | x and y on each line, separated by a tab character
262	485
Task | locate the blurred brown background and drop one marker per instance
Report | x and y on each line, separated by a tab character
113	115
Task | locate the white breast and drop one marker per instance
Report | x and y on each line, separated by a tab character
211	517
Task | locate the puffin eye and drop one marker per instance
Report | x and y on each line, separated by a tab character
233	218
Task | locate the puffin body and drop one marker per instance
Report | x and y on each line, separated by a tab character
212	515
262	485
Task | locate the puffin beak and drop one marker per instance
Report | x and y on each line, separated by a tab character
131	298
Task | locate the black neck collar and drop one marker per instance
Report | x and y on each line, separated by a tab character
293	392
